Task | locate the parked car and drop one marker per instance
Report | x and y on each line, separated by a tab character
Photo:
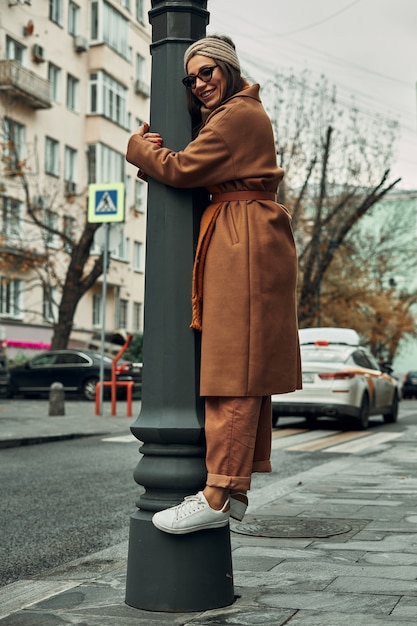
409	388
341	379
77	370
4	375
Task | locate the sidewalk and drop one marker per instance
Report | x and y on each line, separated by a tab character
24	422
332	546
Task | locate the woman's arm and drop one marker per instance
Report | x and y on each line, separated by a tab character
205	161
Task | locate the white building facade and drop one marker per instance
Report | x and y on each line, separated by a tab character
74	84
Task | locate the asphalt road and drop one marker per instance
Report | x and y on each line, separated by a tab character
62	500
66	499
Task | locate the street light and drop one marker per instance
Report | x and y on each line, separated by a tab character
166	572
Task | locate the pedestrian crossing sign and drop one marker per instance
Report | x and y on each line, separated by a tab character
106	202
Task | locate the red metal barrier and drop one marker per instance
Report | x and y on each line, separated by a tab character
129	384
114	384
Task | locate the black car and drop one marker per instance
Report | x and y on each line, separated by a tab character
4	375
409	388
77	370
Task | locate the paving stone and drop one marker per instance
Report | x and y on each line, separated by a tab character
32	618
258	617
374	585
24	592
387	514
359	570
254	563
294	554
391	558
406	607
281	580
332	602
395	543
391	526
317	618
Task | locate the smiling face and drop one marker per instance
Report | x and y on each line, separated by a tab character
210	94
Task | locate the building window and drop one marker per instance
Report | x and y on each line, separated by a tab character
123	308
15	51
140	196
140	11
14	139
54	77
56	11
137	317
140	67
108	98
125	4
123	251
70	165
68	228
10	297
110	27
138	264
105	165
49	303
11	212
73	18
51	156
50	220
97	309
72	92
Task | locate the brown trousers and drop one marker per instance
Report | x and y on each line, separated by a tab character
238	440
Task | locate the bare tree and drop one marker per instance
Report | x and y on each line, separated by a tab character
67	266
337	169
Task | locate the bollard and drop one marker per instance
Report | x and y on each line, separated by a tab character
56	399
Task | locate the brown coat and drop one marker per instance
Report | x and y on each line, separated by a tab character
249	325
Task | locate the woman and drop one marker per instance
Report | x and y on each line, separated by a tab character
244	277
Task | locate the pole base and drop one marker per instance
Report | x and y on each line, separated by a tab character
178	573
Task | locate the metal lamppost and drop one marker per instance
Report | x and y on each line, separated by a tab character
166	572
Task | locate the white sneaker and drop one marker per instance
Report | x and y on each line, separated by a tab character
193	514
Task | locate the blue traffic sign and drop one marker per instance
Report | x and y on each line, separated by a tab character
106	202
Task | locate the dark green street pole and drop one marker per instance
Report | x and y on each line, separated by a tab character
165	572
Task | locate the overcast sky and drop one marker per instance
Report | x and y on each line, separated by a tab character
368	48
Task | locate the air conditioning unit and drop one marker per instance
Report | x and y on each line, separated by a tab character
142	88
38	53
80	44
70	188
38	202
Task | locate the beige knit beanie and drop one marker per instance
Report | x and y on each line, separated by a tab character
213	48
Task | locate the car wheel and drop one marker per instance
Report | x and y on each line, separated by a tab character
362	420
89	388
392	415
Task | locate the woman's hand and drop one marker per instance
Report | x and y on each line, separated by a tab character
143	131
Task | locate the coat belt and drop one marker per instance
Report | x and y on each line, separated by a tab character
228	196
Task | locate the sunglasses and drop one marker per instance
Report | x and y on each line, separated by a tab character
204	74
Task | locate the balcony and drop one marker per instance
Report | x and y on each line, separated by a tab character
20	83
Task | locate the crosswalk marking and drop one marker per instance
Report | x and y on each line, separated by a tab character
285	432
342	442
359	445
329	440
120	439
302	436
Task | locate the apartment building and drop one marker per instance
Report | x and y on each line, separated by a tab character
74	84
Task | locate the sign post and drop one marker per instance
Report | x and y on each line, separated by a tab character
106	205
